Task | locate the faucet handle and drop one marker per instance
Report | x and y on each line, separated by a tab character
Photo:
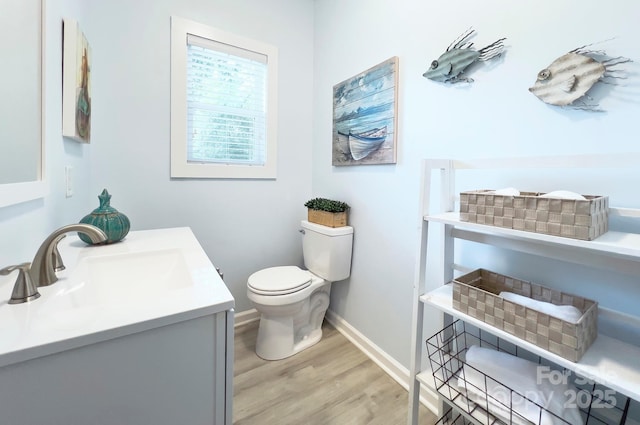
24	289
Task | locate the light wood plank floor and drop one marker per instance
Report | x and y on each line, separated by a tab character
332	382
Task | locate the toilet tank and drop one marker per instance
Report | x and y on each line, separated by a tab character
327	250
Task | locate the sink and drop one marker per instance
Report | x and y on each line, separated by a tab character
100	286
135	277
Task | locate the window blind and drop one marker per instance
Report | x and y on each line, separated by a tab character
226	103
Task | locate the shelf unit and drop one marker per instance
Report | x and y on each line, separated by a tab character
609	361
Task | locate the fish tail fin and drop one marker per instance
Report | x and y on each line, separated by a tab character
492	50
458	43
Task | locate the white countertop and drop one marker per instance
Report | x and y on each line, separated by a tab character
167	278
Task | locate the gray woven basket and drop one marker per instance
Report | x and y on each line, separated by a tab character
576	219
476	294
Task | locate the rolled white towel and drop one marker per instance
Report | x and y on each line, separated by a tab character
563	194
490	374
568	313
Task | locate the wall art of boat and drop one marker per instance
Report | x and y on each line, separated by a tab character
366	142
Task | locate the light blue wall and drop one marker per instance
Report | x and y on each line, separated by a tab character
24	226
246	225
242	225
496	116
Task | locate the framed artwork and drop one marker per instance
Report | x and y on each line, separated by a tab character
76	83
365	116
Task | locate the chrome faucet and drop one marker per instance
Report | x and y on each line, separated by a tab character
47	260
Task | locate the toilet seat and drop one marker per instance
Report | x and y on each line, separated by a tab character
281	280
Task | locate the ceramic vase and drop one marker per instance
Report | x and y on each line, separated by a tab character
115	224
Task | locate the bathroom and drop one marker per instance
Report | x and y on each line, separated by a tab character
246	225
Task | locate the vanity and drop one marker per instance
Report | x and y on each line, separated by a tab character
136	332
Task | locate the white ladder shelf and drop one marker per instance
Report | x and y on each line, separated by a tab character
614	251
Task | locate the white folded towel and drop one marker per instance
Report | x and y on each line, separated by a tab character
490	374
563	194
567	313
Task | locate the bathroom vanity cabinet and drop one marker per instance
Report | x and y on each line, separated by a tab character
153	351
609	361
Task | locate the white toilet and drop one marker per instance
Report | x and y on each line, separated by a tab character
292	301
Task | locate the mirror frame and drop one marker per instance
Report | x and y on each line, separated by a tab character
15	193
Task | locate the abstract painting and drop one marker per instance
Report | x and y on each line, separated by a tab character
365	116
76	83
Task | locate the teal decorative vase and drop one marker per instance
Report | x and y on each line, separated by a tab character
115	224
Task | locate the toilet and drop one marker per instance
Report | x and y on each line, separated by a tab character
291	301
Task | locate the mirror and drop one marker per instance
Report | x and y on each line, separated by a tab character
21	106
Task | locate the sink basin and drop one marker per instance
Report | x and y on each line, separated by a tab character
127	277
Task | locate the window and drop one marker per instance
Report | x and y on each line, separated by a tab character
223	104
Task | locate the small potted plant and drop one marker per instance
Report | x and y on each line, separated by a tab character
327	212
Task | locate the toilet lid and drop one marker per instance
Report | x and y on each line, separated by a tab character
279	280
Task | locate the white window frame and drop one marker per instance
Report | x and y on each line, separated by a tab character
180	167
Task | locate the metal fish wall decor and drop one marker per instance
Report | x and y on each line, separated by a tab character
568	79
459	56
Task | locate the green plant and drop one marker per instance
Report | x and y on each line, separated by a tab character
328	205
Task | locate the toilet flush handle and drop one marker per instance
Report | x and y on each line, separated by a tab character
301	231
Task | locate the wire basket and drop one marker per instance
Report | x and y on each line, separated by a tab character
452	418
488	401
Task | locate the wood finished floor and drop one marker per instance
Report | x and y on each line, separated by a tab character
332	382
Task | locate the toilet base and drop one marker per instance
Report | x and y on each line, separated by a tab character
275	337
282	336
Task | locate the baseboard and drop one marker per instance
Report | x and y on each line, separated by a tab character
245	317
395	370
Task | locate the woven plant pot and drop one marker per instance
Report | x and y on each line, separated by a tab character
326	218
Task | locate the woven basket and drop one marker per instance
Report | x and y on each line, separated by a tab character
476	294
570	218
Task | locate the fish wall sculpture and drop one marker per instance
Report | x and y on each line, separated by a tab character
459	56
566	81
